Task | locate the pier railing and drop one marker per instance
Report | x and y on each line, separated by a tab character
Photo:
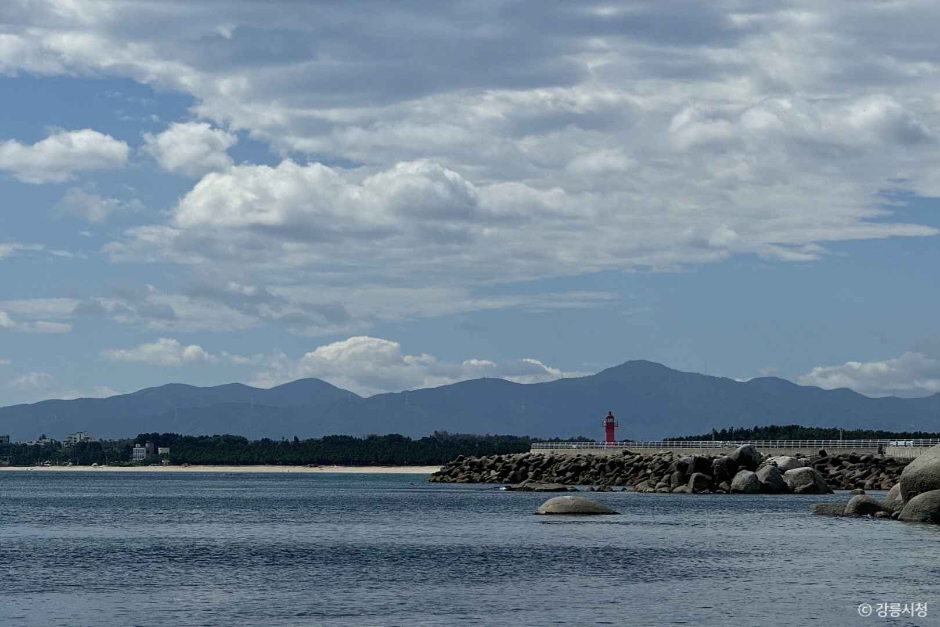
721	444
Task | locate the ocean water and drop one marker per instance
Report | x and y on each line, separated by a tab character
303	549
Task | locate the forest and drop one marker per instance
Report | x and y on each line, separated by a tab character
375	450
797	432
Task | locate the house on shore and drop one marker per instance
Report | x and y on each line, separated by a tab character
77	438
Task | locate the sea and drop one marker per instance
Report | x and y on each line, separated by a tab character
118	549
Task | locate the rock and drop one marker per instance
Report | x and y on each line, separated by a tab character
745	482
747	457
677	479
806	481
827	509
862	505
924	507
724	486
822	453
573	506
723	468
699	482
921	475
682	465
682	489
785	462
699	464
857	491
771	480
894	502
882	514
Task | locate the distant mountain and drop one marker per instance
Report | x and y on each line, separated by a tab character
650	401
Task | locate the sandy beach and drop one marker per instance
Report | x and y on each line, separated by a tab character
373	470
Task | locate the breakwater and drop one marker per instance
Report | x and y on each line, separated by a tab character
743	470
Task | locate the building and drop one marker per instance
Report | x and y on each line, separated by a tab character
143	452
4	439
163	450
42	441
76	438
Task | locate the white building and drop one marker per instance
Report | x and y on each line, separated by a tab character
75	438
142	452
139	453
163	450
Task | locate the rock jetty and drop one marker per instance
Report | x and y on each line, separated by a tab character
916	498
745	471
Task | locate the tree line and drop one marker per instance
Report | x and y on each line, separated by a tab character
373	450
797	432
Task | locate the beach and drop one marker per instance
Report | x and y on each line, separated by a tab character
371	470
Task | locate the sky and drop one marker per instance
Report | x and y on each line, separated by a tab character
390	196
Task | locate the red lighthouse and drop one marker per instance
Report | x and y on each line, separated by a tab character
610	423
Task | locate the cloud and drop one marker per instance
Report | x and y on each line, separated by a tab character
38	386
101	391
6	362
11	248
536	141
191	149
910	374
91	207
423	221
31	326
44	326
539	140
369	365
163	352
31	381
60	156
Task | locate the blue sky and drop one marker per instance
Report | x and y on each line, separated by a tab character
399	196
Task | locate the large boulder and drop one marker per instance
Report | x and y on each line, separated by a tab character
723	469
862	505
924	507
771	480
745	482
828	509
746	457
700	482
894	502
921	475
700	464
677	479
785	462
573	506
806	481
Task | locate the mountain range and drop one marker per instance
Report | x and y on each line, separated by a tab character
649	400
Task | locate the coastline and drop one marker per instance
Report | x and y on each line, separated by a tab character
373	470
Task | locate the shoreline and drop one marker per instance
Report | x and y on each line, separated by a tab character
363	470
